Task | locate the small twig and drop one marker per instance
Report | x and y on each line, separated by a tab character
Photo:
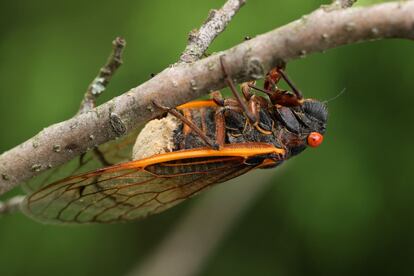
11	205
105	74
216	22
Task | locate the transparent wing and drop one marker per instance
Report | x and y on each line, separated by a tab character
113	152
121	193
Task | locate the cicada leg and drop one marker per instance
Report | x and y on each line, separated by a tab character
242	103
296	91
254	104
272	78
190	124
279	96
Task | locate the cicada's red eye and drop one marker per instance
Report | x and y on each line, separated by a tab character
315	139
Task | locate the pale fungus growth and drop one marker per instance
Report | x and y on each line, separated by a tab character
157	136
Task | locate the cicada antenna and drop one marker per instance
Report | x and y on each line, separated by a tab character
335	97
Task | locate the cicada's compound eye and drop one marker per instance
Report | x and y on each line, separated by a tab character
315	139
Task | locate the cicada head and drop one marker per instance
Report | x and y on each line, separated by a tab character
303	125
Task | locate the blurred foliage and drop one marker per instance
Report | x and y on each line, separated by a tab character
343	209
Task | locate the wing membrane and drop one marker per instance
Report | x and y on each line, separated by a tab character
121	193
113	152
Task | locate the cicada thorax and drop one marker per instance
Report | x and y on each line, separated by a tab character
232	127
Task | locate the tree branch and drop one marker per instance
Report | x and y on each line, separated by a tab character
216	22
316	32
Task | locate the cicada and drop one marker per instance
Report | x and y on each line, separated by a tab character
188	150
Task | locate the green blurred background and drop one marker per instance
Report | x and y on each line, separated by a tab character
343	209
